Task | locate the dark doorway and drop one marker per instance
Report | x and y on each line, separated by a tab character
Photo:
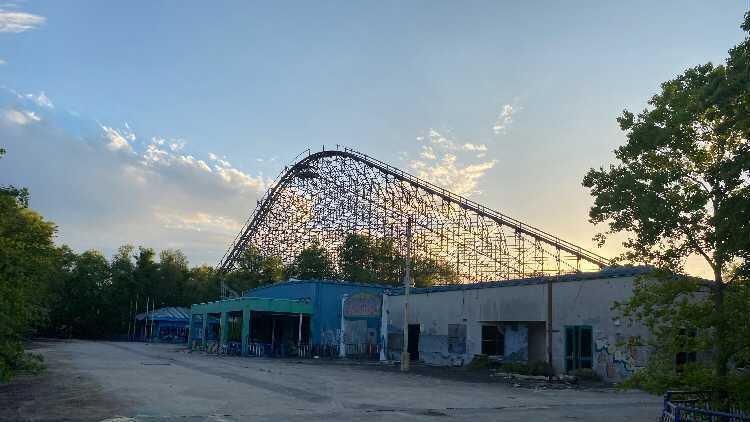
493	341
278	333
579	342
414	342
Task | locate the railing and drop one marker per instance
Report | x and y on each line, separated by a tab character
367	351
257	349
695	406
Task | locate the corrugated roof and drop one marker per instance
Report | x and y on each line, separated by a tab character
170	313
609	272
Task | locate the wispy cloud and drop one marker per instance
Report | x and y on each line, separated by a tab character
21	117
3	62
15	22
451	164
504	119
105	185
41	100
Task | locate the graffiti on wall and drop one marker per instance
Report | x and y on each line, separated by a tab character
362	305
613	361
331	337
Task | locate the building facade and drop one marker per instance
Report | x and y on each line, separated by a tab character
294	318
509	320
163	325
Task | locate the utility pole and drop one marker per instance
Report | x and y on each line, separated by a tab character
145	321
407	286
549	322
151	331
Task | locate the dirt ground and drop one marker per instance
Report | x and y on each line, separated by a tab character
106	381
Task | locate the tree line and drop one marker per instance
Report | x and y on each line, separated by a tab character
360	258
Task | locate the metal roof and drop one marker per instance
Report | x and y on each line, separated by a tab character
170	313
252	292
609	272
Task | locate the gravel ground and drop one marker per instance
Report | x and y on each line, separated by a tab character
107	381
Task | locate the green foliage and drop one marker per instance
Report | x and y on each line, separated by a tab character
255	270
21	195
26	257
428	272
313	263
680	189
369	260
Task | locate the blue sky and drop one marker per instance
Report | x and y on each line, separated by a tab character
508	102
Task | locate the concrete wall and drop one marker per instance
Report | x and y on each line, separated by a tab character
435	311
585	301
590	302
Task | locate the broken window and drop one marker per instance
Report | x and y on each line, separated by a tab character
457	338
578	347
493	340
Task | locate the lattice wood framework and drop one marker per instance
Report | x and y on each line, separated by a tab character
324	196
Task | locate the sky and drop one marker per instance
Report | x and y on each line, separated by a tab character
161	123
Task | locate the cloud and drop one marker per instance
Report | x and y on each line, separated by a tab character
41	100
117	141
439	162
504	119
105	186
16	22
2	62
21	117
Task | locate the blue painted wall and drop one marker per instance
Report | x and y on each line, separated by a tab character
326	297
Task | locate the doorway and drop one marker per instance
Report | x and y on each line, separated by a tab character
579	345
414	342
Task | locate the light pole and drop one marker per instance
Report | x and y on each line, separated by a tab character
407	286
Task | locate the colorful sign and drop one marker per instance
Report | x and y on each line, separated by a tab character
362	305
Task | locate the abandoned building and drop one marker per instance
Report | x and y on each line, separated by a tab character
163	325
294	318
508	320
448	325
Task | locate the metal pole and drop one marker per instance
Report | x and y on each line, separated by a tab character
342	345
549	322
145	320
299	333
130	312
152	319
407	286
135	321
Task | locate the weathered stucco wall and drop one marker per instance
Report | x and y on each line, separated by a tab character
575	302
590	302
436	311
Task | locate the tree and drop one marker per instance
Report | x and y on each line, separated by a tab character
255	269
681	188
428	272
201	285
26	257
173	273
312	263
146	275
123	292
20	195
85	292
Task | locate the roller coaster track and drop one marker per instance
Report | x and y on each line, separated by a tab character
325	195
